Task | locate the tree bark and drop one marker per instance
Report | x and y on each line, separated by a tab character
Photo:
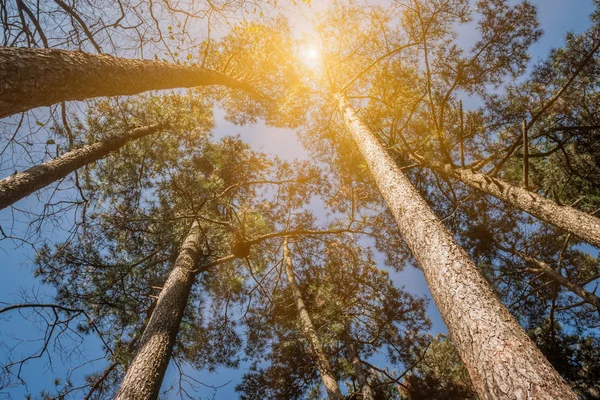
32	78
331	385
501	359
22	184
580	224
147	370
361	377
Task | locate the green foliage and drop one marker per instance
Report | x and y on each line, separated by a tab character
259	54
440	375
574	355
140	202
349	300
410	99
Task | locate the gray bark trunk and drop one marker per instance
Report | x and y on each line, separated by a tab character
32	78
501	359
331	385
361	377
580	224
147	370
22	184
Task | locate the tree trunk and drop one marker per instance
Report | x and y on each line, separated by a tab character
146	372
32	78
361	378
501	359
22	184
331	385
580	224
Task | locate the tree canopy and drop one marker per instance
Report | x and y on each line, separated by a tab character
426	135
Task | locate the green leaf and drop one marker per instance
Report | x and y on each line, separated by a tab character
50	141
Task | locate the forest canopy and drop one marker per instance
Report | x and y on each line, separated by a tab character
294	200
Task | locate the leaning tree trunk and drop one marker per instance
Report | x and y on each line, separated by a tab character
540	266
331	385
568	218
32	78
501	359
22	184
359	372
146	372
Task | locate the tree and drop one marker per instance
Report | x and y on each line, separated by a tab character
331	386
471	310
146	371
577	222
40	77
178	212
457	286
574	221
239	54
357	314
555	103
22	184
212	184
503	114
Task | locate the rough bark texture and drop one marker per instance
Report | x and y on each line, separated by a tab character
146	372
32	78
331	385
580	224
22	184
361	378
501	359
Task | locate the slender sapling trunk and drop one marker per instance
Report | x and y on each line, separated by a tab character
331	385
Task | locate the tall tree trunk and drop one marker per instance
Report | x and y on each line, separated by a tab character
32	78
501	359
361	377
22	184
331	385
146	372
568	218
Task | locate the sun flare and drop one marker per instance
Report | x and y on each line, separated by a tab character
310	55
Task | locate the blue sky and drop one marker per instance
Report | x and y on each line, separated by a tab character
556	16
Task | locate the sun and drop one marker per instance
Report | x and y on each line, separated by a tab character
310	55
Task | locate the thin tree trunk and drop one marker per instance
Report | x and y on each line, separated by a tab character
361	377
331	385
22	184
541	266
501	359
146	372
32	78
580	224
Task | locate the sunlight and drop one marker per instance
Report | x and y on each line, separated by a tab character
310	55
